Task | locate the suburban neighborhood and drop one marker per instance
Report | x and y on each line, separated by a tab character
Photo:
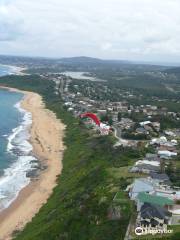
156	198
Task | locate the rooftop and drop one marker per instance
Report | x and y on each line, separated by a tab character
153	199
153	211
159	176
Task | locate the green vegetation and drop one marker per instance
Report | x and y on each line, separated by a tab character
93	172
132	136
173	171
107	118
78	207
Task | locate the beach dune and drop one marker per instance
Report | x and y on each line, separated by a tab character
47	134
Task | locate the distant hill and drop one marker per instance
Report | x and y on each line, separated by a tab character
90	60
104	69
69	61
80	59
175	70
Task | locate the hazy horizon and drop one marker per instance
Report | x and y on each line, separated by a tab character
175	64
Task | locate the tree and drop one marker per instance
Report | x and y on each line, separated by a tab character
119	116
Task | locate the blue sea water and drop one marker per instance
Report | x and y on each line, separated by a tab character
10	118
16	157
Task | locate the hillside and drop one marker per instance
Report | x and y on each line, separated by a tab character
79	205
82	202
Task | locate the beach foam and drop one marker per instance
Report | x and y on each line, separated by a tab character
14	177
10	70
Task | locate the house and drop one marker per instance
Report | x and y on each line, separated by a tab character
169	193
152	157
170	133
174	142
142	124
166	154
158	141
154	216
176	211
68	103
145	168
140	185
153	163
169	147
160	179
101	112
141	130
126	123
156	125
148	128
144	197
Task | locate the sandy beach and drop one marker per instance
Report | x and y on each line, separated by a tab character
18	70
47	134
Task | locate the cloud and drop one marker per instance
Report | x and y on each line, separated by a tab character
121	29
106	46
10	22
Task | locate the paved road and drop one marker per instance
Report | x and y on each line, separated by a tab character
121	141
117	133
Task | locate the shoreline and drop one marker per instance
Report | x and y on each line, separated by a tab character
48	147
15	70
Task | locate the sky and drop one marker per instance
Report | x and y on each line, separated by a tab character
138	30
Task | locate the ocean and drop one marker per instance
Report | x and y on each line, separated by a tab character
16	157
